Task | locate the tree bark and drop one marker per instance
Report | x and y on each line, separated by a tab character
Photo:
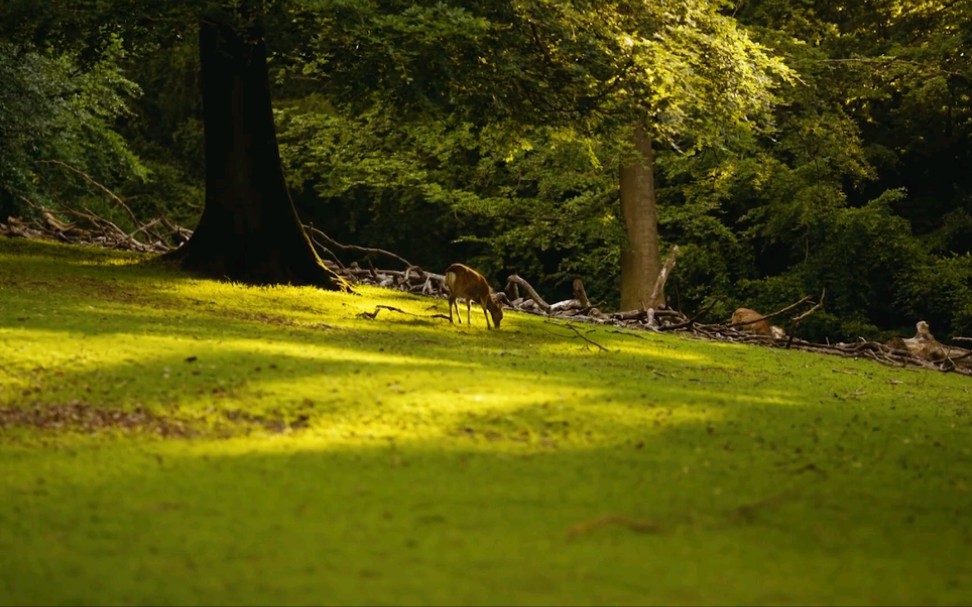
249	230
640	256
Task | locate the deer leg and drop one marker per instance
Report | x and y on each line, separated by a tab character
486	314
454	303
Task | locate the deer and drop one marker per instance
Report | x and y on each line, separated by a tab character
463	281
751	320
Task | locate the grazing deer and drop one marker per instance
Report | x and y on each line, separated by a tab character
465	282
760	326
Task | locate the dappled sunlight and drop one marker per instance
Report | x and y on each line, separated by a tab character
325	352
114	261
771	397
152	363
49	253
309	307
295	297
121	347
774	397
356	394
363	391
658	350
475	422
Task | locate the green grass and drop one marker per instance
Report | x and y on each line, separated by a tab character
170	440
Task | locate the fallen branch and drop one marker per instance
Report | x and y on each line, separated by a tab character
813	309
657	298
804	300
350	247
689	321
379	307
580	294
746	512
89	228
516	280
641	526
585	338
91	180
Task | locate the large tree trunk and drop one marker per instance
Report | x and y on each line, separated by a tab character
640	257
249	230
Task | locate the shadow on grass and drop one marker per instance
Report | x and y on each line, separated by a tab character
743	511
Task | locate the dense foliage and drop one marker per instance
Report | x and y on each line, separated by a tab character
487	131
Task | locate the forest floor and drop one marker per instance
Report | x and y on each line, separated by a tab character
171	440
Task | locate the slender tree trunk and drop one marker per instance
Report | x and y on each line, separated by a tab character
249	230
640	257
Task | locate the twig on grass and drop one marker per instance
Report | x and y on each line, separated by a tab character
373	315
641	526
746	512
582	336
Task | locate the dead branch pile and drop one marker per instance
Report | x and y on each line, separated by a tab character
412	279
160	235
580	309
157	236
521	296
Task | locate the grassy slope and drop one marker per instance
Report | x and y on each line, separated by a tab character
340	459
